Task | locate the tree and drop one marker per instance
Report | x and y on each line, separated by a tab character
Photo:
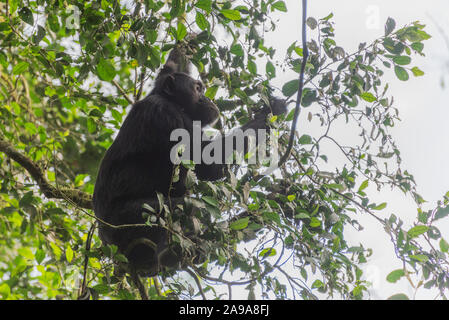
69	71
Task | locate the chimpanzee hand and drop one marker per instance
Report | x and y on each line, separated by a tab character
278	106
181	54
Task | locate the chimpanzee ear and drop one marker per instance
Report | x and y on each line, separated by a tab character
169	85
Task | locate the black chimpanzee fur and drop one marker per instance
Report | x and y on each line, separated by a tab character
137	165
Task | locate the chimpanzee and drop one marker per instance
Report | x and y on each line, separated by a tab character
137	165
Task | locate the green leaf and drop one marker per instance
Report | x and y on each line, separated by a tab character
20	67
308	97
335	186
389	26
116	115
364	185
417	72
102	288
121	258
206	5
177	8
31	128
252	67
56	250
314	222
303	273
413	34
290	115
91	125
4	26
279	5
105	70
417	46
270	69
402	60
327	18
53	22
39	35
271	216
290	88
312	23
268	252
51	175
231	14
5	290
213	202
441	213
239	224
417	231
305	139
444	246
237	50
399	296
434	233
26	15
188	164
317	284
393	46
401	73
69	254
142	54
395	275
26	253
39	256
211	92
255	226
181	31
420	257
368	96
380	206
201	21
151	35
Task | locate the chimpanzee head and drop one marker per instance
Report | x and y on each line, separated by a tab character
188	94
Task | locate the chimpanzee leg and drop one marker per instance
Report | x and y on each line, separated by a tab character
146	247
139	244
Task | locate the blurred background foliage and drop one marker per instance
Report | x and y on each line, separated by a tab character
69	72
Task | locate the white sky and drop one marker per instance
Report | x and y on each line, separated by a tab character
422	102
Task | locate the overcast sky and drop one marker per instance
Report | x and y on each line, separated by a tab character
423	134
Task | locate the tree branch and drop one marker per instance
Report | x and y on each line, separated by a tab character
120	89
78	197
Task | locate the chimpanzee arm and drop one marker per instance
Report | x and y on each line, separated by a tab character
215	171
178	56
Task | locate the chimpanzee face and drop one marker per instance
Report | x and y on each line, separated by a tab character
189	94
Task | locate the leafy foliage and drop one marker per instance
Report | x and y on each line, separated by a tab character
68	75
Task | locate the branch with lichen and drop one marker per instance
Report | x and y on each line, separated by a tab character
78	197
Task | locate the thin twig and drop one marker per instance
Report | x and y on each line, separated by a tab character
83	289
119	88
305	55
